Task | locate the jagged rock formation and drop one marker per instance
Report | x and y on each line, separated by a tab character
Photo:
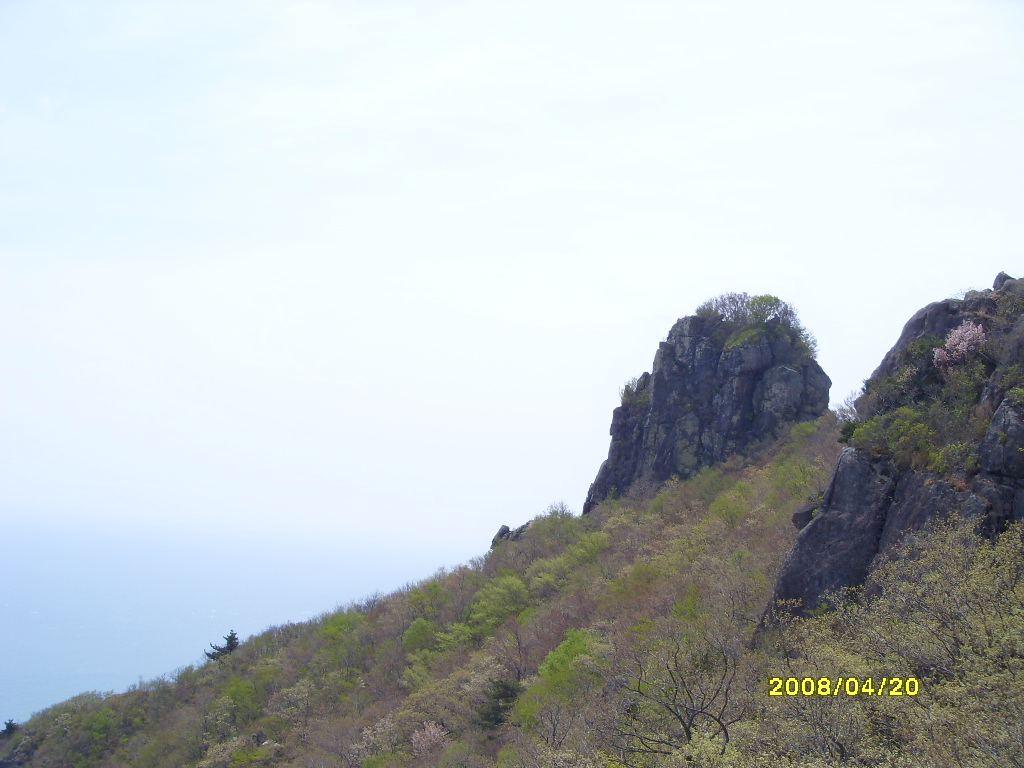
715	388
509	534
881	489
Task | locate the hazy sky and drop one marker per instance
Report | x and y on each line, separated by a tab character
374	272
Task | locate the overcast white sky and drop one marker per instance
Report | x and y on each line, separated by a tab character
375	271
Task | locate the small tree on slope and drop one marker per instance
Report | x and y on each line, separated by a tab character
230	644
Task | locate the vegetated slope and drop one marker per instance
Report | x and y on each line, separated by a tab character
521	657
625	637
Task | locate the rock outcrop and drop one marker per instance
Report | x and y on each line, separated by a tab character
877	495
509	534
716	387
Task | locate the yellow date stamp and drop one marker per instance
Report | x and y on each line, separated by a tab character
843	686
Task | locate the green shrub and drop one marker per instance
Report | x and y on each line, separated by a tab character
636	582
244	698
926	417
803	429
503	596
557	528
99	726
344	640
1016	397
708	484
553	572
634	398
1012	377
429	598
952	458
561	679
459	634
743	318
903	434
1008	306
384	761
733	506
744	335
420	635
245	756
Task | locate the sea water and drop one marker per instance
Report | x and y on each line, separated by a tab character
100	609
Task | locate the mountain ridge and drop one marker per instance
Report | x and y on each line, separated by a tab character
634	636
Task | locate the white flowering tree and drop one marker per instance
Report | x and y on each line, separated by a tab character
962	342
429	741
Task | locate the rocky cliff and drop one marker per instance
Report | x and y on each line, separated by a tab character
724	379
939	431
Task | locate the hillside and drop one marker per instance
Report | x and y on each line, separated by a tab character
637	634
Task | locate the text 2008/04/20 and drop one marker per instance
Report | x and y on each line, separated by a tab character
843	686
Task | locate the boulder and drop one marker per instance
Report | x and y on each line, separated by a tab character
509	534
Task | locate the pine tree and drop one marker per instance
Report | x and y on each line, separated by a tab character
230	643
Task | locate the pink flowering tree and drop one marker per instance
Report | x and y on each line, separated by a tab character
429	740
962	342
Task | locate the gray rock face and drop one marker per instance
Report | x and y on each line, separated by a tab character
867	508
870	505
704	400
836	547
1000	452
804	514
509	534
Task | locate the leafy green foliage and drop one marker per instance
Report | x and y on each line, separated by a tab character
420	635
550	574
245	701
926	417
744	318
904	434
947	610
1016	397
549	705
734	505
504	596
635	397
744	309
430	599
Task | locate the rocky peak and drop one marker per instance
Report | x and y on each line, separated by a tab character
724	379
939	431
934	322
